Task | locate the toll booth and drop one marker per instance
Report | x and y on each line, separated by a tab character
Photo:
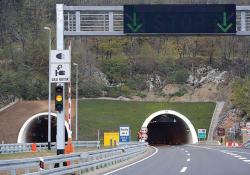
111	138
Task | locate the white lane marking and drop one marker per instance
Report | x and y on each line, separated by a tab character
186	151
242	158
183	169
156	151
188	154
246	160
188	160
232	154
182	149
237	156
239	152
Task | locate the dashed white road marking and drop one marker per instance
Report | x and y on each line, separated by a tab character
186	151
188	160
232	154
242	158
183	169
246	161
237	156
188	154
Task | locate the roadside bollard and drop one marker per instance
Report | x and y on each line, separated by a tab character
41	164
33	147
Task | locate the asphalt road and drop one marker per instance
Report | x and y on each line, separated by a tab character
191	160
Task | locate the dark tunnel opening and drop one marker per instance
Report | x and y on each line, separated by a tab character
37	132
167	129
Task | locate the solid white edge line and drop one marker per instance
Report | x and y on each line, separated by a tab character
183	169
156	151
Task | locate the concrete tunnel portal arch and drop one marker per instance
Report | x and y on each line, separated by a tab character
170	128
35	129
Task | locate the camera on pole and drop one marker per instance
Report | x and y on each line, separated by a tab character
59	98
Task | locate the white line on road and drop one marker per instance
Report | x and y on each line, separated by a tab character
242	158
188	160
239	152
156	151
232	154
186	151
237	156
188	154
183	169
246	160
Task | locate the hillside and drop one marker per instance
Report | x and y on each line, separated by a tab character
159	67
108	115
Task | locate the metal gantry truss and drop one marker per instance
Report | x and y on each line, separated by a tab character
243	20
108	20
93	20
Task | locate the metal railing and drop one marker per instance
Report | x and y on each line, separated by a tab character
77	162
27	147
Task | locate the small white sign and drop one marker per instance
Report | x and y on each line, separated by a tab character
124	131
60	56
144	137
144	130
60	72
248	128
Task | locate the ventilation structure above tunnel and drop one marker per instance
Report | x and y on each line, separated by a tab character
165	129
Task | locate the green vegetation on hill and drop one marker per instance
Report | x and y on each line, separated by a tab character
108	115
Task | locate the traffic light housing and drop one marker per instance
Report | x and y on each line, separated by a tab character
59	98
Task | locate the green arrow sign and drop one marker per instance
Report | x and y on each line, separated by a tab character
225	26
134	27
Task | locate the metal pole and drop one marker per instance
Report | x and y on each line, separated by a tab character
60	131
98	138
49	103
75	64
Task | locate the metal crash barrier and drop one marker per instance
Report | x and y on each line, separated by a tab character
76	162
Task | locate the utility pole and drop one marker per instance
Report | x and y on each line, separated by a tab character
60	131
49	103
75	64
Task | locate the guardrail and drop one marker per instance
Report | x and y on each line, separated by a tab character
209	142
27	147
77	162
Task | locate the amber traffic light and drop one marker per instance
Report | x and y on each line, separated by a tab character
59	98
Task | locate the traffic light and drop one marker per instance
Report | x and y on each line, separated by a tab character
59	98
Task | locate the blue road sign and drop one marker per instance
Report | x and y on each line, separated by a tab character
124	134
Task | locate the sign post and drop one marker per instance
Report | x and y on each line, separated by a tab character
248	130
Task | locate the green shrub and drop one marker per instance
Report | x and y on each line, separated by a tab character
179	76
113	91
91	89
141	94
179	93
137	83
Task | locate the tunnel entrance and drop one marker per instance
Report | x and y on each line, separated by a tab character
168	127
35	129
38	130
